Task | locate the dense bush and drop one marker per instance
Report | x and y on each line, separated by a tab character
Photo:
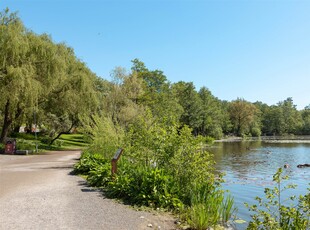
100	175
145	186
89	162
23	144
105	134
163	165
174	150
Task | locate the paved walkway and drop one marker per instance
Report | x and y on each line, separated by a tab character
38	192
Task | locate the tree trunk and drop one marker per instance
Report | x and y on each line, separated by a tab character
65	132
16	128
52	141
7	121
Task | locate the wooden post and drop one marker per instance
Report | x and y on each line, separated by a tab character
115	159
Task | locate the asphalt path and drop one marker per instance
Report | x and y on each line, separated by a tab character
39	192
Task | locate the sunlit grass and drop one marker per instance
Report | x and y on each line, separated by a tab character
65	142
73	141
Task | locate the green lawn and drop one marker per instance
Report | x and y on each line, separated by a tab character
73	141
65	142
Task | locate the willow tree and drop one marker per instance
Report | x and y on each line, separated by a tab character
15	71
32	66
75	97
19	88
38	75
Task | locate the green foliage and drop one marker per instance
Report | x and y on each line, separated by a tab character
283	118
40	76
256	131
106	136
25	136
213	115
143	185
100	175
89	162
96	167
190	163
175	150
191	104
306	120
159	168
227	209
274	214
243	115
23	144
209	208
74	141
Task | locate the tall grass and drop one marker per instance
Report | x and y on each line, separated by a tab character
227	209
209	208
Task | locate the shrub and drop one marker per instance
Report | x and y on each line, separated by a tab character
145	186
46	140
274	214
100	175
106	135
25	144
175	150
58	143
161	165
256	132
89	162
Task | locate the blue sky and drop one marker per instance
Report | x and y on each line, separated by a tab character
256	50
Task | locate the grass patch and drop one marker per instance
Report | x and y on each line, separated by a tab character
73	141
66	141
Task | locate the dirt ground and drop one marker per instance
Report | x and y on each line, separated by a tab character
39	192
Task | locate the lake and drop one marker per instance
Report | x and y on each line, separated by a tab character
250	164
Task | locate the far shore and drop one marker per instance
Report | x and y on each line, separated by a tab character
269	139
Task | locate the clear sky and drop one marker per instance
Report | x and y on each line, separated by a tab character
256	50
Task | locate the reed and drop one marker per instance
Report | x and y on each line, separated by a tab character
209	208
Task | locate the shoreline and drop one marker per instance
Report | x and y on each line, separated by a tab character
269	139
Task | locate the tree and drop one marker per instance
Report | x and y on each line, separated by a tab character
243	115
226	122
30	67
306	120
264	120
191	103
292	120
157	93
75	97
37	75
211	115
122	98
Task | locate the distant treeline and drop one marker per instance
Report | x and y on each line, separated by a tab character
45	83
205	114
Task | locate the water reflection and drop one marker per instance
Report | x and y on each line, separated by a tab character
250	165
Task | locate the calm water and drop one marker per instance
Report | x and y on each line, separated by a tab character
250	165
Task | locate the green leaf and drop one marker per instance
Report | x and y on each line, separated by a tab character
239	221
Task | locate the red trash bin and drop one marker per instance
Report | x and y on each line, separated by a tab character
10	146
